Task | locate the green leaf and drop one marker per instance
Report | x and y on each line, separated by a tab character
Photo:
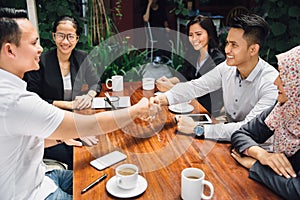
278	28
294	11
281	45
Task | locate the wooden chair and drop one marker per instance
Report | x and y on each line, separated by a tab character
238	10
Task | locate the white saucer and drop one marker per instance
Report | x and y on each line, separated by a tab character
158	93
181	108
114	190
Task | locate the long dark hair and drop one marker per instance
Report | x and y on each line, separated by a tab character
206	23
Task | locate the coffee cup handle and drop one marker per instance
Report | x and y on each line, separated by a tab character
211	187
118	180
106	83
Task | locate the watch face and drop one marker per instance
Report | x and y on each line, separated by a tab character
198	130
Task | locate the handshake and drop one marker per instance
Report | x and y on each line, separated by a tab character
145	109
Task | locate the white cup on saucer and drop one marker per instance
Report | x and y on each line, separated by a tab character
127	176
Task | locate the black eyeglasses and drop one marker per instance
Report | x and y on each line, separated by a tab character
61	36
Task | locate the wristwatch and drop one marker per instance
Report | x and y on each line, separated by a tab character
199	130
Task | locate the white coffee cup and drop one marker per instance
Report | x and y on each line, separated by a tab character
116	83
148	83
127	176
192	184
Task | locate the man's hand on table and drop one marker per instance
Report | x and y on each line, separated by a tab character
163	84
89	140
72	142
186	124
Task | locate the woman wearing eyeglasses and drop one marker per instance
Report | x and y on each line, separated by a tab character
64	69
59	81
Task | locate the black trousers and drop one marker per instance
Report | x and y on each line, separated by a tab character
62	153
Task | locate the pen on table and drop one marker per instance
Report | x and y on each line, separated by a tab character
108	101
94	183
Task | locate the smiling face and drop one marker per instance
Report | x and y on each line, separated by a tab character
65	46
282	98
198	37
238	53
27	54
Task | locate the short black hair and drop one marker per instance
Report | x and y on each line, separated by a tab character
9	29
67	18
256	29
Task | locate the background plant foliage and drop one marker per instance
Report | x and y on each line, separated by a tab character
49	12
284	20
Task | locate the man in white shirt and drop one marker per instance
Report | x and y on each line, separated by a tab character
247	81
26	120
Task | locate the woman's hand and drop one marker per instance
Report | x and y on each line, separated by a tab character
244	161
278	162
83	102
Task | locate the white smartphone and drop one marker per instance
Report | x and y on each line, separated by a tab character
200	118
108	160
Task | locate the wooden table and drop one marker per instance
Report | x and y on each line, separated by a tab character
161	158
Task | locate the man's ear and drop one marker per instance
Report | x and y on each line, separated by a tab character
9	49
254	49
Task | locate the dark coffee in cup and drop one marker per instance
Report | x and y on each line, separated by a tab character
126	171
193	177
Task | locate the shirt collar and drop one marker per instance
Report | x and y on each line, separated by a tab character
254	73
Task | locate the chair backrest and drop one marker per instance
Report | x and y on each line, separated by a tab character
238	10
54	164
148	31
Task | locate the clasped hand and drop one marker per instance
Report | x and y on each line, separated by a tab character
147	110
278	162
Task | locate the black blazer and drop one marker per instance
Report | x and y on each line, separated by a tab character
47	82
256	132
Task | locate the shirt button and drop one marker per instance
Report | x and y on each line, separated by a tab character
234	113
236	100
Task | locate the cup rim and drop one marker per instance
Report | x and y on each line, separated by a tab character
127	165
148	78
193	172
116	76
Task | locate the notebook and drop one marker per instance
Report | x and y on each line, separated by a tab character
99	102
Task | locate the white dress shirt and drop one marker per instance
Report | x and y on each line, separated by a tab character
25	120
243	99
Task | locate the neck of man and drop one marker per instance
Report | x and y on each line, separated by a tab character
246	68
